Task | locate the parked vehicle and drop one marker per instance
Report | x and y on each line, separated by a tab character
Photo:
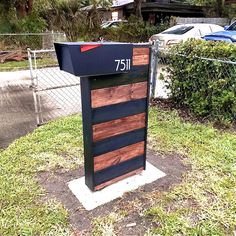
228	35
112	24
180	33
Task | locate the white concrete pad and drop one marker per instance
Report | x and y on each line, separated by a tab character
91	200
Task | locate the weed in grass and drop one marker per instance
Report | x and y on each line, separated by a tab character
55	145
104	226
207	193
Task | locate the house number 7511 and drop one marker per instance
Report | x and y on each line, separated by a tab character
123	64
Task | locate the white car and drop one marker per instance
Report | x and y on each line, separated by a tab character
180	33
113	23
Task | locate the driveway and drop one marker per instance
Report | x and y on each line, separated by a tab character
17	117
59	96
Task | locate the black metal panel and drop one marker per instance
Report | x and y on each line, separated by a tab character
119	141
118	170
87	132
120	110
106	81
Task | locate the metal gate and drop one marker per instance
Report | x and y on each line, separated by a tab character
56	93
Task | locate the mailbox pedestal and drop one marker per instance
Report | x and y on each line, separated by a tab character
114	92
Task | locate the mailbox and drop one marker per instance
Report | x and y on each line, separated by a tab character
114	92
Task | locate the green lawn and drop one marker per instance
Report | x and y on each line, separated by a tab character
53	146
24	65
204	204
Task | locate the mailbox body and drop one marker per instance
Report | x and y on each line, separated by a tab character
114	92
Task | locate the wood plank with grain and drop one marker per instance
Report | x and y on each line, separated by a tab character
118	126
118	156
140	56
115	95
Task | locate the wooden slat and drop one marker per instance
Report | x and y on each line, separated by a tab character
123	154
103	185
115	95
118	126
140	56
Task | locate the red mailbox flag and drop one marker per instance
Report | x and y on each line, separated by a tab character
85	48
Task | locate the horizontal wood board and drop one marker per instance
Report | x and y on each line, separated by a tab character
120	155
118	126
115	95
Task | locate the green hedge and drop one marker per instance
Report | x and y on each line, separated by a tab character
206	87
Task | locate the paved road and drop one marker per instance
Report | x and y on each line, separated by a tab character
17	116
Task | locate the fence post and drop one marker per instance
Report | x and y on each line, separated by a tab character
33	85
153	71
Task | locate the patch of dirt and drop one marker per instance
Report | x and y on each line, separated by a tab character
133	203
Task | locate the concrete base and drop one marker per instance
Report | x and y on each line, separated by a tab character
91	200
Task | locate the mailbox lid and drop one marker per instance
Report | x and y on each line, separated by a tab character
95	58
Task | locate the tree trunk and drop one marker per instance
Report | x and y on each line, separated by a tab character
219	9
29	6
24	8
137	8
20	9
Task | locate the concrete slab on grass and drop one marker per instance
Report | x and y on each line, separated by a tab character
91	200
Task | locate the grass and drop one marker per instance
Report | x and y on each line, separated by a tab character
104	226
24	65
205	202
23	210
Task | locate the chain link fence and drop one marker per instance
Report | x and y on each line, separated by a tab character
56	93
162	78
13	47
22	41
206	86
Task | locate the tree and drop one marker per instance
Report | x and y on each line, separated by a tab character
68	17
217	5
138	8
23	7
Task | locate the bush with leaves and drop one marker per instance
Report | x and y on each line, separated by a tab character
135	30
207	87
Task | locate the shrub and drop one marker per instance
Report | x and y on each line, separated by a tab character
207	87
135	30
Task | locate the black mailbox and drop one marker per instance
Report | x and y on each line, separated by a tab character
114	92
87	59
